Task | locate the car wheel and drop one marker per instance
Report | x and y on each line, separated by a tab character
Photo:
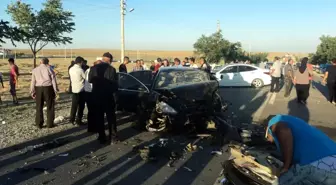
257	83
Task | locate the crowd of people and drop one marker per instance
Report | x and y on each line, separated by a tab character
97	85
90	87
302	79
159	63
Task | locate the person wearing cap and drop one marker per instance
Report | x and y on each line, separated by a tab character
77	77
308	155
275	73
43	88
104	81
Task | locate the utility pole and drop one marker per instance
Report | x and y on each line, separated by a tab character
122	27
218	26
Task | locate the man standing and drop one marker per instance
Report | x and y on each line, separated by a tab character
144	66
77	77
44	88
71	64
90	101
289	77
104	81
13	79
138	66
276	75
122	67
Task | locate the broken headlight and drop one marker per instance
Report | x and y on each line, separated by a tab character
163	107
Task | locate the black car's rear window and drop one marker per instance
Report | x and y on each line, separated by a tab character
176	78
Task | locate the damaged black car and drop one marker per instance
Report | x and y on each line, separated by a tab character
171	99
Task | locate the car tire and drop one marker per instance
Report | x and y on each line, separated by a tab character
257	83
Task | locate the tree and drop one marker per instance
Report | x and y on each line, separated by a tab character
213	47
326	50
9	32
42	27
258	57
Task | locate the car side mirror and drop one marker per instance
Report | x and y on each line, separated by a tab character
221	76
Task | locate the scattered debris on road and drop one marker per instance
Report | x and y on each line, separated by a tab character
46	146
64	155
190	170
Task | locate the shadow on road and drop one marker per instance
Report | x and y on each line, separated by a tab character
322	88
55	161
298	110
245	102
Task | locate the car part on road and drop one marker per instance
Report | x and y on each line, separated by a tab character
250	165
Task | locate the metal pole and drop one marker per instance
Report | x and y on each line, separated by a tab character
122	26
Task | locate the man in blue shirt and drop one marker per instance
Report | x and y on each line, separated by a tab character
309	156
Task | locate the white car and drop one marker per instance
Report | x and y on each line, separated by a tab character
243	75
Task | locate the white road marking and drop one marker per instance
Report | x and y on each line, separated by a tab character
258	113
272	100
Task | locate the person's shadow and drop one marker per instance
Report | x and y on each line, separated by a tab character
298	110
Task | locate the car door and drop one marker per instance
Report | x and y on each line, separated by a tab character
145	77
131	93
227	76
246	75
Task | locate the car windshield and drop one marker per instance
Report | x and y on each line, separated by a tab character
216	68
170	79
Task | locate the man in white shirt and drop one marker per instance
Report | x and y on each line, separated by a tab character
77	77
275	73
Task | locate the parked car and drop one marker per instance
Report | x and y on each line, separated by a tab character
243	75
170	99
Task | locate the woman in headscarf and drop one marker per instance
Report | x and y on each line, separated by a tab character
301	81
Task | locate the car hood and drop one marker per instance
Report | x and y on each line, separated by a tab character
191	92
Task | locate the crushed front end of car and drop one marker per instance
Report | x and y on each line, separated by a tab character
184	107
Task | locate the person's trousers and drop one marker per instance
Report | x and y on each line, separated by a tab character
288	86
332	92
302	92
77	106
91	112
45	94
275	82
12	88
108	108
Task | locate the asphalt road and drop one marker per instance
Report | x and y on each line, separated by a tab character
84	161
